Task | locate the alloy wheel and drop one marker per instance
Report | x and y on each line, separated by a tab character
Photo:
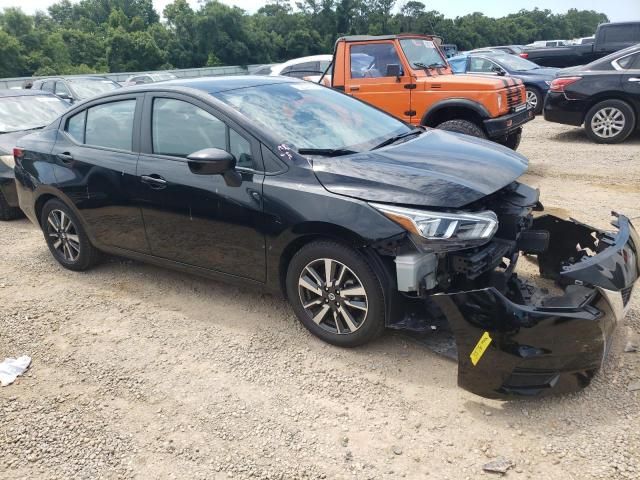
333	296
64	235
608	122
532	99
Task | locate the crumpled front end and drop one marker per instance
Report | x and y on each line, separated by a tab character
512	341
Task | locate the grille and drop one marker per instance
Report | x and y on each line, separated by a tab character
626	295
514	97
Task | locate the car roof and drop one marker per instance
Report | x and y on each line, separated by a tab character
23	93
312	58
220	84
79	77
364	38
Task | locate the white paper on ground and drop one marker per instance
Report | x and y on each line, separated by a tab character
11	368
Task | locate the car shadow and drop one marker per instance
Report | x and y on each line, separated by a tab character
578	135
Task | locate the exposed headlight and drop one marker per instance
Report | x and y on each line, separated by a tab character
442	231
8	161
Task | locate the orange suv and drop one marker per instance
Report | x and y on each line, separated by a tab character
409	77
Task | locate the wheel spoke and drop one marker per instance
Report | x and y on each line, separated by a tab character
73	238
328	271
317	301
52	221
348	319
355	304
306	283
315	275
74	245
321	314
338	282
57	244
353	292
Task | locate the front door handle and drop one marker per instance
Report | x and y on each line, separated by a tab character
65	157
354	89
154	181
634	79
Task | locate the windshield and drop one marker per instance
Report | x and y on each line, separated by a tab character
421	52
29	111
309	116
86	88
513	62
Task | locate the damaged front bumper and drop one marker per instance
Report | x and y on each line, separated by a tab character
509	347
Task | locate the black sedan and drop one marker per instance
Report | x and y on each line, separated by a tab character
604	96
362	221
21	112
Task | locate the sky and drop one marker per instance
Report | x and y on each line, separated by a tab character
616	10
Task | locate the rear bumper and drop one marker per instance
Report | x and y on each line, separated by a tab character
557	108
506	124
508	349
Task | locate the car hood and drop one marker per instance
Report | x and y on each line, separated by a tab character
437	169
9	140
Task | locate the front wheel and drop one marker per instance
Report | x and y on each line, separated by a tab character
462	126
610	121
335	294
534	99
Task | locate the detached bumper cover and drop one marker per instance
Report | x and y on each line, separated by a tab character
504	125
507	349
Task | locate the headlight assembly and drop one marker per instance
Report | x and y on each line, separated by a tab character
442	231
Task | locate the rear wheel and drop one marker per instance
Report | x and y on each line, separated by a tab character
335	294
462	126
534	99
65	237
7	212
513	140
610	121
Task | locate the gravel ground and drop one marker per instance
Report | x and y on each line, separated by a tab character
141	372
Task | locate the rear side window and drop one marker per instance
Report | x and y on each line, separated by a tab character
111	125
630	62
75	126
620	33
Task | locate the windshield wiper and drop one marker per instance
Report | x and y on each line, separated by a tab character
395	138
326	152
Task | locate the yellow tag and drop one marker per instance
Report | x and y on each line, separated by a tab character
481	346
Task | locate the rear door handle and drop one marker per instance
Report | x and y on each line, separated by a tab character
634	79
154	181
65	157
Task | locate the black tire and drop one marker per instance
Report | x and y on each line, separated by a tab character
539	99
335	327
625	112
513	140
462	126
7	212
86	255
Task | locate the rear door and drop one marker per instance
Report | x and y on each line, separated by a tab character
95	166
194	219
369	78
631	77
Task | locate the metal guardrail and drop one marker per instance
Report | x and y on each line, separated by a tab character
17	82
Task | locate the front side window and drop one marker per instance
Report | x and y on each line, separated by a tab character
111	125
48	86
481	65
307	115
372	60
61	89
180	129
458	65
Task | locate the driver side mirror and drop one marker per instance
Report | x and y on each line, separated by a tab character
498	70
393	70
65	96
214	161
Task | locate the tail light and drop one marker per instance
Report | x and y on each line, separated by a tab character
559	84
18	153
524	55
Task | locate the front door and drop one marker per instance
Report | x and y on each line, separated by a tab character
195	219
371	72
94	162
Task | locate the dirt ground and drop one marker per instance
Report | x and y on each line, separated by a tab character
141	372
